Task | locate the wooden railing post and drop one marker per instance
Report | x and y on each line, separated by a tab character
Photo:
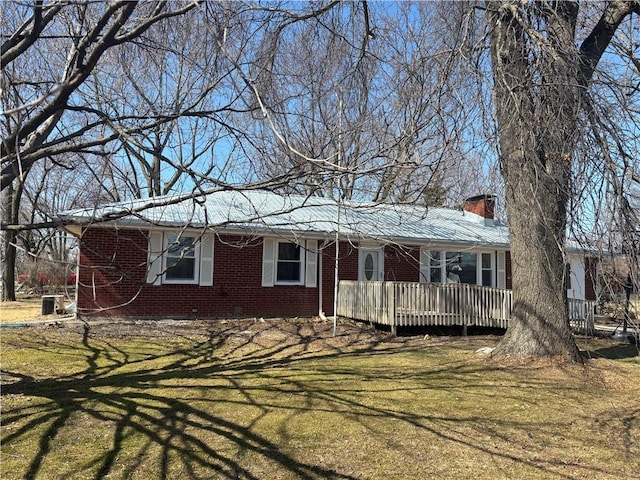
390	306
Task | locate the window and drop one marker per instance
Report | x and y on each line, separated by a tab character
461	267
289	263
501	270
441	266
452	267
180	259
435	266
486	270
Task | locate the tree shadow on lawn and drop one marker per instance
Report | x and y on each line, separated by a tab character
168	401
617	351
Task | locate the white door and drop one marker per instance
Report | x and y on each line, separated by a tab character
371	265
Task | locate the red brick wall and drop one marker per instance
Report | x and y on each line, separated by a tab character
237	285
113	273
107	278
347	268
113	266
402	264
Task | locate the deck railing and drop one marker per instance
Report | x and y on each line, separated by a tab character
418	304
365	301
451	304
582	315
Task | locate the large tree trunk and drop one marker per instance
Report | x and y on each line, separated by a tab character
537	101
539	324
11	216
9	269
541	80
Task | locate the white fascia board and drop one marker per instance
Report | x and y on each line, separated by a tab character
426	242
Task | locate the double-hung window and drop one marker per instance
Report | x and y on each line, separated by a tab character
289	263
486	269
181	261
180	258
435	266
285	262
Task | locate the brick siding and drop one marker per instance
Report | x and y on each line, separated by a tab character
113	267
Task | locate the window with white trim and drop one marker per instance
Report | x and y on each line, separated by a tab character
435	266
501	270
444	266
180	258
289	263
486	269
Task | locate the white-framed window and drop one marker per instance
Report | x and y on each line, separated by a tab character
454	266
435	266
180	258
501	270
486	269
288	262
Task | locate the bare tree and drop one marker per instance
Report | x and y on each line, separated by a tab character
179	77
88	31
541	84
365	93
50	188
68	40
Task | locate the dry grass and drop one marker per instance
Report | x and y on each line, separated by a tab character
285	400
25	309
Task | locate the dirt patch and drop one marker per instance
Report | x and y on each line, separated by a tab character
308	334
315	333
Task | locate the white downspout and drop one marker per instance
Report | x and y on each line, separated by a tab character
336	278
340	197
320	312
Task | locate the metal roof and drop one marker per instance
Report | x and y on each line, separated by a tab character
260	211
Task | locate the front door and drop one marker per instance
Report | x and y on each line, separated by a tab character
371	265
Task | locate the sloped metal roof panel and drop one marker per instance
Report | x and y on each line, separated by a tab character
260	211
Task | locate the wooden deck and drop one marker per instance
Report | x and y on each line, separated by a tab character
399	304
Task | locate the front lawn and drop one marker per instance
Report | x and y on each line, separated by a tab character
285	400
